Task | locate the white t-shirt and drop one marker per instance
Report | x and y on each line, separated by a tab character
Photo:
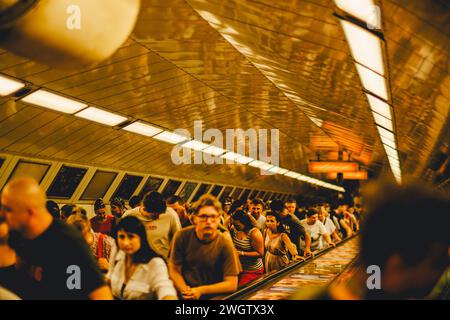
261	222
160	232
316	232
149	281
329	226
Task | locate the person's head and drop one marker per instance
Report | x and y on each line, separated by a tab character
100	208
238	204
135	201
24	205
256	207
278	206
273	221
290	205
242	221
207	216
227	206
81	223
132	239
154	203
117	207
406	235
66	211
53	209
312	216
177	204
321	214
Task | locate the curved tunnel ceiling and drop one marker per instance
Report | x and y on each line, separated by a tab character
243	64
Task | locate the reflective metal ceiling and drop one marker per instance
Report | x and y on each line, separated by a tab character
243	64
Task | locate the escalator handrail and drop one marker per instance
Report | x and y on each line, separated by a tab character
273	277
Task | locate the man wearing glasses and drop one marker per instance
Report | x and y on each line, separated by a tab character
203	261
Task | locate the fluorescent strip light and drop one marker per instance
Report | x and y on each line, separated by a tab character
379	106
170	137
195	145
215	151
244	160
382	121
388	142
266	166
101	116
361	9
53	101
394	161
372	81
292	174
257	164
385	133
143	129
278	170
365	46
9	86
390	152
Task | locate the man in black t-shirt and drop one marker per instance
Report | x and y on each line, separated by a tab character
292	226
63	264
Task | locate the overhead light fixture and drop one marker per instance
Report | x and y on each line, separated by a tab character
236	157
382	121
46	99
170	137
361	9
277	170
213	150
372	81
292	174
365	46
195	145
101	116
9	86
390	152
379	106
388	142
257	164
394	161
143	129
386	133
282	171
266	166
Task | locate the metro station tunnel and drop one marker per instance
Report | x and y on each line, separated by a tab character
224	150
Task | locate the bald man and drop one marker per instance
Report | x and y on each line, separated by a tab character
66	268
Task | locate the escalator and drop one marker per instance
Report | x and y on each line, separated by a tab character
321	269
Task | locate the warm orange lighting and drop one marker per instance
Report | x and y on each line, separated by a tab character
332	166
359	175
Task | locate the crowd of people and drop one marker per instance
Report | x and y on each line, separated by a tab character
156	248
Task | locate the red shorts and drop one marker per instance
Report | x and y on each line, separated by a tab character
247	276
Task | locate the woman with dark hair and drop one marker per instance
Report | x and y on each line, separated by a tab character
277	244
249	244
137	272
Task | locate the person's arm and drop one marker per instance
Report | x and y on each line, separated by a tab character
102	293
302	232
346	227
288	244
177	277
257	243
335	236
161	283
327	238
229	284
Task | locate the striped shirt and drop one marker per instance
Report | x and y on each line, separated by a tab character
248	263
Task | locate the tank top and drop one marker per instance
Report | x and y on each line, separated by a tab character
248	263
